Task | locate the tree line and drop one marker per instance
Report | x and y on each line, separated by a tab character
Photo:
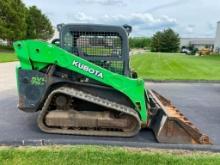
139	42
162	41
18	22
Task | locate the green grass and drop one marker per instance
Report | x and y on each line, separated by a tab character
7	57
165	66
176	66
89	155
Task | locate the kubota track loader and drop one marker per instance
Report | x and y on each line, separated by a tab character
82	85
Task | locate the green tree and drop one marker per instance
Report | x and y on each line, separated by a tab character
38	25
165	41
139	42
12	20
156	42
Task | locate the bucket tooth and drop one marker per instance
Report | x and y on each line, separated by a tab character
171	126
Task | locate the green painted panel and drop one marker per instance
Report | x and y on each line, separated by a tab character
36	55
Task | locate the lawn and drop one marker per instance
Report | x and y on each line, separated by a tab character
7	57
165	66
176	66
89	155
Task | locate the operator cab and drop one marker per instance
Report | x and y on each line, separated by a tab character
104	45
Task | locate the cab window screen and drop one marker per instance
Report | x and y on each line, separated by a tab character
94	43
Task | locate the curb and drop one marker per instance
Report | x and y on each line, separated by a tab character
42	142
183	81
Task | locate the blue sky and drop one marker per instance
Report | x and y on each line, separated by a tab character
190	18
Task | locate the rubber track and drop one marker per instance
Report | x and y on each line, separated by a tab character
93	99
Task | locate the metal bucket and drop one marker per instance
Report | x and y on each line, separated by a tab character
170	125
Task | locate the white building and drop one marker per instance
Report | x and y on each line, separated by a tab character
55	35
212	43
217	38
198	42
3	42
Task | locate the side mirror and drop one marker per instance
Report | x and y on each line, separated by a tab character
56	42
128	28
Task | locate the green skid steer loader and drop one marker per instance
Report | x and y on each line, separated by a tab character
82	85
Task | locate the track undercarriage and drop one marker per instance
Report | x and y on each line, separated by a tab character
60	115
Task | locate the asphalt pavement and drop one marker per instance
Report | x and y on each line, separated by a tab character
200	102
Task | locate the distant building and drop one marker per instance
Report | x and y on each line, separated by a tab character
3	42
217	38
198	42
212	43
55	35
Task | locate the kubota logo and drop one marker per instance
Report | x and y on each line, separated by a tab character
87	69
